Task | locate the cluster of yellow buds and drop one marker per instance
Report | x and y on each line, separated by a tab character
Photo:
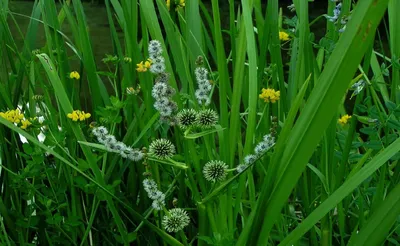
283	36
178	4
344	119
15	116
25	124
74	75
78	115
143	66
133	91
270	95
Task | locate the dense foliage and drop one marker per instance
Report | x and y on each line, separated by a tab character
194	130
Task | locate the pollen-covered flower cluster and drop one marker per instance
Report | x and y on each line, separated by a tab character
150	186
270	95
215	171
112	145
204	86
78	115
16	117
157	60
162	92
175	220
260	149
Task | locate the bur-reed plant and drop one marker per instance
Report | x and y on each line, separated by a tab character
201	128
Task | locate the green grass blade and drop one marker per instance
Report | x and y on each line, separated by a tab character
345	189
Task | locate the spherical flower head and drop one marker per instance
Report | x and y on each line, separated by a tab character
344	119
186	118
270	95
149	185
250	159
162	78
165	111
240	168
261	148
283	36
157	68
155	47
135	155
119	147
162	148
200	72
159	90
100	131
205	87
215	171
74	75
158	204
156	195
207	118
269	139
109	139
175	220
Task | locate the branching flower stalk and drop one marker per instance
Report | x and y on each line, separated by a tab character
114	146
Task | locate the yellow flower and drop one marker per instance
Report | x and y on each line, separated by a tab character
25	124
78	115
74	75
143	66
270	95
14	116
344	119
283	36
168	4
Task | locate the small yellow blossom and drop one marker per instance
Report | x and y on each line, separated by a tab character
344	119
25	124
143	66
74	75
78	115
14	116
283	36
270	95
